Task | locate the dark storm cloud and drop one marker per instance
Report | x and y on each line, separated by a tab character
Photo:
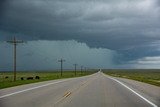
2	6
127	26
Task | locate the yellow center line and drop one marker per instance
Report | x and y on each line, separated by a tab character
68	93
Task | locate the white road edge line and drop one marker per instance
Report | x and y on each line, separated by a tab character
154	105
17	92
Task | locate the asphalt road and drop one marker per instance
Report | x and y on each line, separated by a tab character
97	90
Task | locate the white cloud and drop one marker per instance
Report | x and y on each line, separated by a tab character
149	60
146	62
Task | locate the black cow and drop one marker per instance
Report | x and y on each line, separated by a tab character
29	78
6	77
37	77
22	78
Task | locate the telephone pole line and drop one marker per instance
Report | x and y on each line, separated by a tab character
75	65
61	61
15	42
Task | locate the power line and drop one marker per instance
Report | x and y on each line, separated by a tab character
61	61
15	42
75	65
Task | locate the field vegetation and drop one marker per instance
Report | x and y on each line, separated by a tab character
147	76
6	78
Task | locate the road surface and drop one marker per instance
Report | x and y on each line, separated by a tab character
96	90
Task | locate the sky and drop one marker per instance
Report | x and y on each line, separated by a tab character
92	33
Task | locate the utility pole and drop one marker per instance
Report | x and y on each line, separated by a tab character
15	42
81	69
61	61
75	65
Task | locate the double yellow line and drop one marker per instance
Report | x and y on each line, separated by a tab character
68	93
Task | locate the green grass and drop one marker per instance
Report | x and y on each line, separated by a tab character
44	76
147	76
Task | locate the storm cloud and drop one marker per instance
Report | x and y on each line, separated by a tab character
129	27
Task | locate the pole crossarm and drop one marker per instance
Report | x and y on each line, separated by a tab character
15	41
61	60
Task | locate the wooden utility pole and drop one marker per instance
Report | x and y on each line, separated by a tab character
61	61
15	42
75	66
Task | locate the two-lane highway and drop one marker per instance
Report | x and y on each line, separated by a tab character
97	90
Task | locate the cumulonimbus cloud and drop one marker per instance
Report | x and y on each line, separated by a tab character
116	25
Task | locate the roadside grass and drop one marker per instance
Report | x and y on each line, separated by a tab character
44	76
147	76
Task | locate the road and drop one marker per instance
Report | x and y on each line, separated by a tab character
96	90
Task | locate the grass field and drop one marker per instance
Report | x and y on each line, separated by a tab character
147	76
44	76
